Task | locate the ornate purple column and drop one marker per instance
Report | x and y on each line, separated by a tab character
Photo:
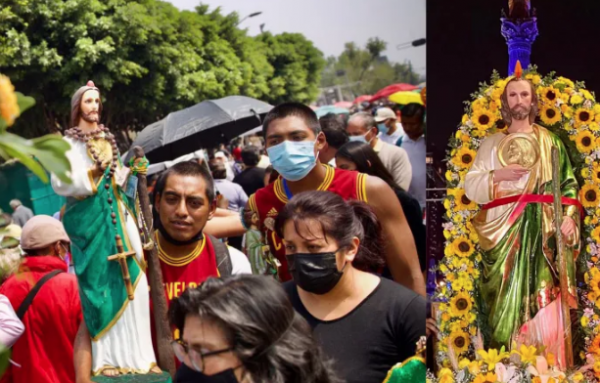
520	30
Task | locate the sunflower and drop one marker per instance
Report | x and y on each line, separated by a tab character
478	104
501	126
583	116
463	202
464	157
596	172
463	247
595	284
585	141
549	95
550	115
460	342
589	195
460	305
484	119
596	237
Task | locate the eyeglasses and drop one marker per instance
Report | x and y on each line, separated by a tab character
196	358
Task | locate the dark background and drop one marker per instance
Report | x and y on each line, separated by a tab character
464	46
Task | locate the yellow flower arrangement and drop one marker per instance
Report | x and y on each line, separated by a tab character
464	157
460	341
589	195
567	109
550	115
460	305
595	347
9	108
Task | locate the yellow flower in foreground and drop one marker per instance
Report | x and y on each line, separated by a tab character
576	99
586	94
460	341
460	305
565	81
585	141
492	357
596	172
585	321
486	378
548	95
9	109
589	195
528	354
595	283
445	376
577	377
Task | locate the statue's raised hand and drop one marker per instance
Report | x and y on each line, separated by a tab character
513	172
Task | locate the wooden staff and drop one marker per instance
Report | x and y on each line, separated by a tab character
166	356
562	261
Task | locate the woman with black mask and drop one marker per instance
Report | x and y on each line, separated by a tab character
367	324
244	329
361	157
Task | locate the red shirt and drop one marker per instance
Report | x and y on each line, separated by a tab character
271	199
190	271
45	350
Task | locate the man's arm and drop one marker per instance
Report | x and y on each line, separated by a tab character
400	249
82	355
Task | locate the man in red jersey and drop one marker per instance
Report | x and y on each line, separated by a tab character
293	140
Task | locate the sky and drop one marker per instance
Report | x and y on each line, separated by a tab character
332	23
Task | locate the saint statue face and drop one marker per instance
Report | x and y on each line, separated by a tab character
90	106
519	99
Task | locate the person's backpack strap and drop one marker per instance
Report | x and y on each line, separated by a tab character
29	298
224	264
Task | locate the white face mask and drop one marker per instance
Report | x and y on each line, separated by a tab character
362	138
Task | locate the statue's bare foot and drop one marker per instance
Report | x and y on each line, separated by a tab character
156	370
111	372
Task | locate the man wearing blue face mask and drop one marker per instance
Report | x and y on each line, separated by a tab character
362	127
293	139
390	130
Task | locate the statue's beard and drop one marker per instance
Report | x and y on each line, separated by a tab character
91	118
520	112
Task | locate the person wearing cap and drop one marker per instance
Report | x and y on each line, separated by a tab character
21	213
44	352
363	128
390	130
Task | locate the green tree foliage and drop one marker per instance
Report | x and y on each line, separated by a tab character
366	69
147	57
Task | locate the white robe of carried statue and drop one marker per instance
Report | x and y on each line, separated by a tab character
125	344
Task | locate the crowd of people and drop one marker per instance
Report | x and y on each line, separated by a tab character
295	256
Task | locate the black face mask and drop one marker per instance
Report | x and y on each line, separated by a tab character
189	375
316	273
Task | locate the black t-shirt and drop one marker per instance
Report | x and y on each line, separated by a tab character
380	332
251	180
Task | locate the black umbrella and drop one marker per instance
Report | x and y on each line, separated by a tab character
203	125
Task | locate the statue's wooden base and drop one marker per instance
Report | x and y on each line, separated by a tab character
146	378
